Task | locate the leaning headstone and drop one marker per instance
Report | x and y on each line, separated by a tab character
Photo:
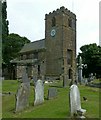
52	93
23	92
39	92
75	103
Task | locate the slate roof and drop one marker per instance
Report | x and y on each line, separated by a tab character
25	61
36	45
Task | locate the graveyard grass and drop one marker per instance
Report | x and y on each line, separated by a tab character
54	108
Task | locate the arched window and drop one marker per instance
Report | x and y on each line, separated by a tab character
53	21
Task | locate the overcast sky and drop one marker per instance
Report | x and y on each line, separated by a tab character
26	18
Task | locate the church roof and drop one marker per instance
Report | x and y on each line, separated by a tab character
36	45
31	61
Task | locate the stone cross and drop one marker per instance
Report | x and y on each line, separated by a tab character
39	92
75	103
22	95
80	78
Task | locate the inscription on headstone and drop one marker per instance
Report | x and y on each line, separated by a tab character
80	78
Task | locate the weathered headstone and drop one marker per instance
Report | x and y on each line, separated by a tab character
23	92
39	92
75	103
52	93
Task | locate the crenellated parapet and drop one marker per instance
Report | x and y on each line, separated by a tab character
62	10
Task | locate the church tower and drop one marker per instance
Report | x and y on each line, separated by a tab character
60	43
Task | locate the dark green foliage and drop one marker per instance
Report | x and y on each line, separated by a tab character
12	46
10	50
91	55
0	36
5	30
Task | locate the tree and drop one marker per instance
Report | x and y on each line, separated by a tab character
12	46
91	55
11	49
5	29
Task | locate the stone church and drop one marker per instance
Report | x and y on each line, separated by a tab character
54	56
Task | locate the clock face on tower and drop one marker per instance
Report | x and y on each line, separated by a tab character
53	32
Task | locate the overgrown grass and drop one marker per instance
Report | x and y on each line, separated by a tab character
55	108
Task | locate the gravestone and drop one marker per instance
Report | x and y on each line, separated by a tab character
39	92
23	92
91	77
52	93
86	81
75	103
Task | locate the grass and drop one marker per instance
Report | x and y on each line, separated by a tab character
55	108
98	81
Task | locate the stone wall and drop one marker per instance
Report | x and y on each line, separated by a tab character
57	46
